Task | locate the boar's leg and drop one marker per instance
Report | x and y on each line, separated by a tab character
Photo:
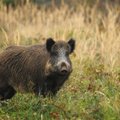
49	89
37	88
7	92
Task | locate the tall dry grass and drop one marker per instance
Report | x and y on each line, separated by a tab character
97	33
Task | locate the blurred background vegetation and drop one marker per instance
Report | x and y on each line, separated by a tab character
71	3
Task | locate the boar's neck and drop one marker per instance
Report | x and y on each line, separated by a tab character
53	83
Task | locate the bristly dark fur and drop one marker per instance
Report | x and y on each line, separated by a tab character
24	69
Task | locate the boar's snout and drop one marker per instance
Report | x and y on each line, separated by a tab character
64	68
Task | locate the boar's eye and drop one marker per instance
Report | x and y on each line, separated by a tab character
49	43
71	43
67	53
54	53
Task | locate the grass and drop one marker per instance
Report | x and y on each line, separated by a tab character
93	90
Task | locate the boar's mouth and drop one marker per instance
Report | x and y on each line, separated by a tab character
63	72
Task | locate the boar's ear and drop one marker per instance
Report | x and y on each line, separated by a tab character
49	43
71	43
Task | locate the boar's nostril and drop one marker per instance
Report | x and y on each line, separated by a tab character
64	71
63	68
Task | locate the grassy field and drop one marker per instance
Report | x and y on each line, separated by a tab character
93	90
